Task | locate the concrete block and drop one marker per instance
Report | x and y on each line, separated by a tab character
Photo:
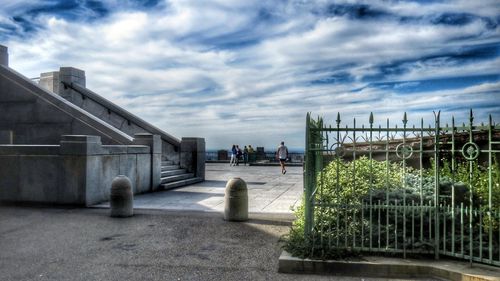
96	109
153	141
73	180
110	169
6	137
24	150
192	156
35	133
114	149
47	113
128	166
9	178
81	128
13	92
4	56
17	112
50	81
155	171
143	173
40	178
80	145
95	191
138	149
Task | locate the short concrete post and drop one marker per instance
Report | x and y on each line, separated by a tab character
121	197
236	200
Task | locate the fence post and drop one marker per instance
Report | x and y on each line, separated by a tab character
436	185
308	185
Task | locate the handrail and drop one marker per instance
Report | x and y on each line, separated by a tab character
124	113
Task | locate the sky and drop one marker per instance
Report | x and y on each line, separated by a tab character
247	72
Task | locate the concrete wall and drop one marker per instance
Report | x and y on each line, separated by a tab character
32	115
193	156
78	171
69	83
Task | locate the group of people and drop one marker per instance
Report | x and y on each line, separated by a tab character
237	155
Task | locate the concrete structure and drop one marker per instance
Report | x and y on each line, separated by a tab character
121	199
77	171
236	200
4	56
269	191
33	119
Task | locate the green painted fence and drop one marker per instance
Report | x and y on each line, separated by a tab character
406	190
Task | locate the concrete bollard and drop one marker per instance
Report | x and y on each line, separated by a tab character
236	200
121	197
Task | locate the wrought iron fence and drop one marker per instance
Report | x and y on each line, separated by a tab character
408	190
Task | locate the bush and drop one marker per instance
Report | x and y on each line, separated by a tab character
357	182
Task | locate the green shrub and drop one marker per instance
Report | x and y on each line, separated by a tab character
357	182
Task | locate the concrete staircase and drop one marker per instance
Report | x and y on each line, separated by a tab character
172	176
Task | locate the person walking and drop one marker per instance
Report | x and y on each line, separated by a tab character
282	156
233	156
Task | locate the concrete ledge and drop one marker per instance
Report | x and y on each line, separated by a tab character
382	267
21	149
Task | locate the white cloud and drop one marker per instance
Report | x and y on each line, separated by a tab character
176	66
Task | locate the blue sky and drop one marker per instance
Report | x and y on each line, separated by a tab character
247	72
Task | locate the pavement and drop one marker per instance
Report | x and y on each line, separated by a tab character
173	235
269	191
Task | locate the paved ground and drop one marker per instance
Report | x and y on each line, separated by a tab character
268	190
86	244
174	242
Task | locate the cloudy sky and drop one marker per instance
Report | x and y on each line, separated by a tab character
248	71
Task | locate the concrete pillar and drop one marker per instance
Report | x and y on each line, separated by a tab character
192	156
81	172
154	142
4	55
50	81
68	76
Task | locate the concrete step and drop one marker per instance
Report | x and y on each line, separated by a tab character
177	177
167	162
169	167
180	183
172	172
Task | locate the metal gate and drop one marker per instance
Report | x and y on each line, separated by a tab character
404	189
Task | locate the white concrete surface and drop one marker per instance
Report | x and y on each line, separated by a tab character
268	191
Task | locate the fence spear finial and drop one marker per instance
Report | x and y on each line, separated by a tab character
338	118
371	118
471	116
405	119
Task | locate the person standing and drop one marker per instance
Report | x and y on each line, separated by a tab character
282	155
233	156
251	154
245	155
239	155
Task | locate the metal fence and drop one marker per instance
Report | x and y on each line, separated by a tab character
406	190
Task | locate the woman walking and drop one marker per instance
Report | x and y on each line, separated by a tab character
233	156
